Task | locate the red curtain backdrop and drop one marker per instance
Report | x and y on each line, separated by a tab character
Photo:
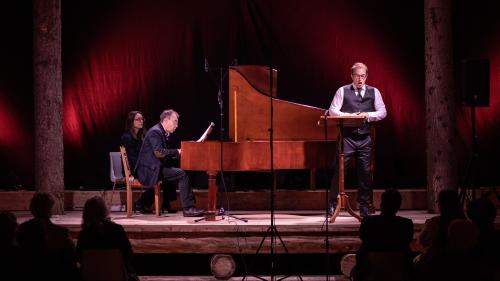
149	55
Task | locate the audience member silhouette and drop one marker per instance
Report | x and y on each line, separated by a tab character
434	236
100	233
385	234
482	213
10	257
48	248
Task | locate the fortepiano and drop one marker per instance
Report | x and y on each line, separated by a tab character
298	140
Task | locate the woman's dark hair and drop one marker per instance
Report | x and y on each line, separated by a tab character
129	124
94	211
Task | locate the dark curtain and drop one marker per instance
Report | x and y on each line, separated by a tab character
149	55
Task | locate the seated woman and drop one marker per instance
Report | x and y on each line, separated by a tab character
133	136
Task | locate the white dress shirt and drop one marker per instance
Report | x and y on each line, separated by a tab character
377	115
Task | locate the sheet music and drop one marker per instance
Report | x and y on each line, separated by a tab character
206	133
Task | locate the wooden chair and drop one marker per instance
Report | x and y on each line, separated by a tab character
131	182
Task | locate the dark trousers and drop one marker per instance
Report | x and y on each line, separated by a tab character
359	147
171	175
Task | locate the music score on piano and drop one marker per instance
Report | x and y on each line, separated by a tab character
206	133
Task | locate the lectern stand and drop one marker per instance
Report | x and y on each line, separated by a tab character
342	122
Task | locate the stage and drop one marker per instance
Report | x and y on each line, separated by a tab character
172	239
303	232
299	219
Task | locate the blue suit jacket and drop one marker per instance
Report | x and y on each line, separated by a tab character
155	153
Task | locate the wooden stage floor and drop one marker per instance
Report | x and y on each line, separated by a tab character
303	232
299	221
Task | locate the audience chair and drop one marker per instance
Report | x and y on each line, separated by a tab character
131	182
387	266
347	263
103	265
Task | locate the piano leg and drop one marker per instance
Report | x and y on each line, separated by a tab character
212	196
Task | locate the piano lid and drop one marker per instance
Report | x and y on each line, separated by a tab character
249	110
258	77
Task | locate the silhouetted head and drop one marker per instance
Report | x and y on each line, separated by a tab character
8	226
41	205
449	204
94	210
482	211
391	202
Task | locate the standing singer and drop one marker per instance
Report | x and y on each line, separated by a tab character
357	99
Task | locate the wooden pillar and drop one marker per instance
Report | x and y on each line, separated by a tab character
49	149
439	101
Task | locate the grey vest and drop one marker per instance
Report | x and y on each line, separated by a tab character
353	103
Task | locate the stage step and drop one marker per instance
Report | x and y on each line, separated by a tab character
413	199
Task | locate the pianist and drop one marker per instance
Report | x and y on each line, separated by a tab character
155	163
358	99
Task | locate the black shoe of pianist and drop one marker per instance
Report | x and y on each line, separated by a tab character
193	212
165	207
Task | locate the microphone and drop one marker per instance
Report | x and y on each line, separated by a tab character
206	65
327	112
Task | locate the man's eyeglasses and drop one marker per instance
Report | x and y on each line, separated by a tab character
362	76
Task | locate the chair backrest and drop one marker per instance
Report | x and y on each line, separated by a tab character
387	266
105	265
125	163
115	168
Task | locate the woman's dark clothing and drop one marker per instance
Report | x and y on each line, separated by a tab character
132	146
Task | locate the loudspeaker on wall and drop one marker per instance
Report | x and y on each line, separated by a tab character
476	82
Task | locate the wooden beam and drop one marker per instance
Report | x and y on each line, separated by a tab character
47	80
440	129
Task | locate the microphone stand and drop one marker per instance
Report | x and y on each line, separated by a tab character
220	101
220	94
272	231
327	239
469	178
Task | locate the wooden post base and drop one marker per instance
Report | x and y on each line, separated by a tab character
343	203
210	216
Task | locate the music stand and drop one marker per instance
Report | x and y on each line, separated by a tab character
342	122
